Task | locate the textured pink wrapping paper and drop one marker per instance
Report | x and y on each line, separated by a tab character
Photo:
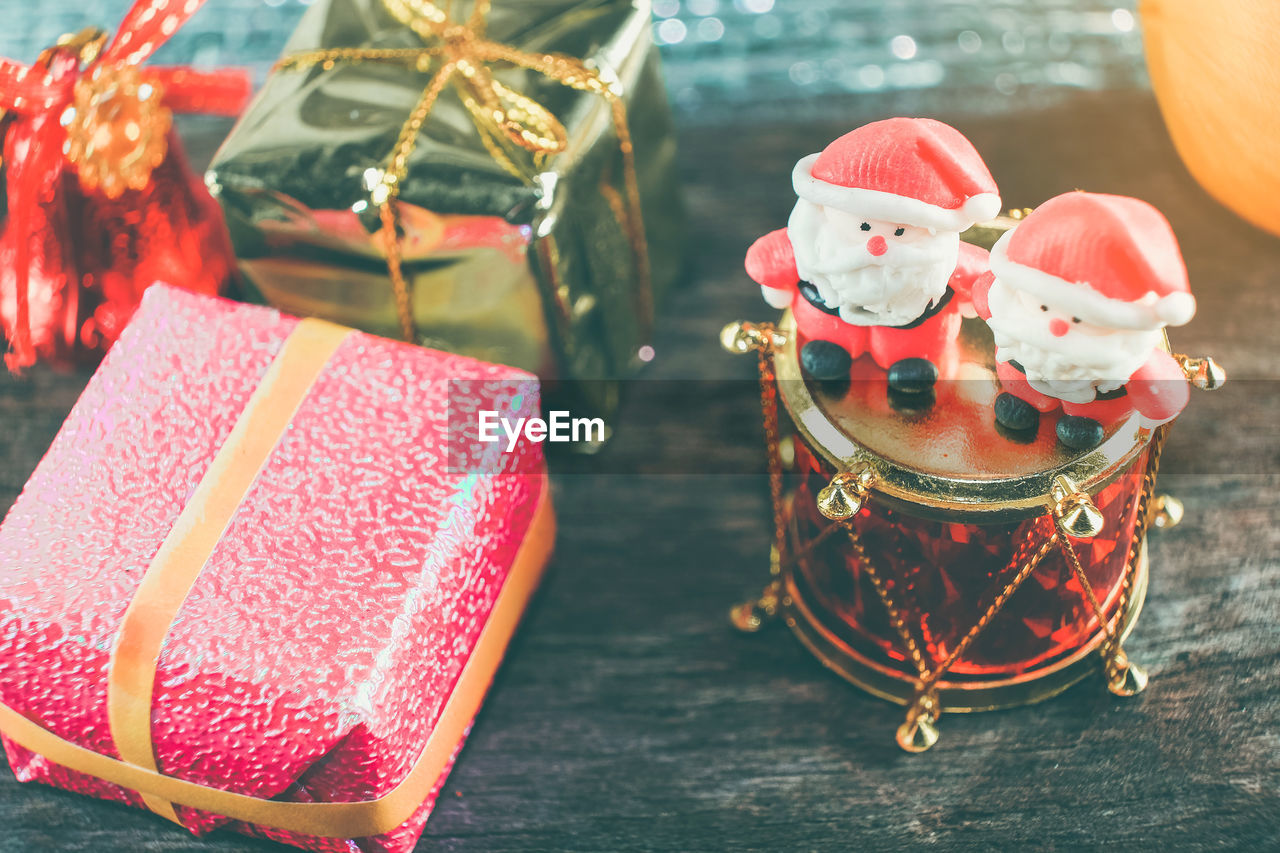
322	637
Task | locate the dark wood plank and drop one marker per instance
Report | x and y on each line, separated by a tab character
630	717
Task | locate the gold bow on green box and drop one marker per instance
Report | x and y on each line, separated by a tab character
493	181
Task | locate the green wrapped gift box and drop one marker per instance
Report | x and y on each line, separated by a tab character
516	256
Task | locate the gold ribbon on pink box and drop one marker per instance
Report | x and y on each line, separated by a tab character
168	581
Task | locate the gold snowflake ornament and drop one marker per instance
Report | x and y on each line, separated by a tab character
117	129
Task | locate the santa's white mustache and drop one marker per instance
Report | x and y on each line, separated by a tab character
835	261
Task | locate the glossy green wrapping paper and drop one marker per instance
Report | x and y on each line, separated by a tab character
511	257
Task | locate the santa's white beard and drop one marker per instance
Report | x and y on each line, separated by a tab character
893	289
1074	367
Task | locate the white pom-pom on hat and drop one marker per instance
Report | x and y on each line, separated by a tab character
982	207
1176	309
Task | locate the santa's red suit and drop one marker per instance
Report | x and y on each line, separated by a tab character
771	263
1108	270
890	177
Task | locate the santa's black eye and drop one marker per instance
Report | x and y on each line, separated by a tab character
1044	307
866	226
1075	319
899	232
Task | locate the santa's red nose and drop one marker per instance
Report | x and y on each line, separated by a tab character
1058	328
877	246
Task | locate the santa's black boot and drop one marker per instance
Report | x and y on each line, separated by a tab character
912	375
1079	433
1014	413
825	361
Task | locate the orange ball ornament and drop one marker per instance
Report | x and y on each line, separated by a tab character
1215	68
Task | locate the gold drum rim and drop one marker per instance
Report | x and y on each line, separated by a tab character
936	496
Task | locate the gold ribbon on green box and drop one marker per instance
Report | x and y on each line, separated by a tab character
467	182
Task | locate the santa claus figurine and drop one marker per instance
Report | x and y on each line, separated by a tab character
1077	297
871	259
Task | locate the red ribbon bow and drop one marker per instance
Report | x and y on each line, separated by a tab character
93	109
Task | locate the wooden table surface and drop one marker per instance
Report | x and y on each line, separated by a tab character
629	716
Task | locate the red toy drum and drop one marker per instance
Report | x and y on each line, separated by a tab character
933	559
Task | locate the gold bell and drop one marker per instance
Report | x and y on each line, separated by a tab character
742	338
1204	373
1082	519
917	736
1166	512
735	339
1079	517
751	616
748	617
1128	679
843	497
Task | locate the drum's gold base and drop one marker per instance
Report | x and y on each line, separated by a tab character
956	693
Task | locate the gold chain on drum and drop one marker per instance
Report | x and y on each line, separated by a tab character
1123	677
1071	511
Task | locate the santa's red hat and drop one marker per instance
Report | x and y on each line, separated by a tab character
913	171
1108	259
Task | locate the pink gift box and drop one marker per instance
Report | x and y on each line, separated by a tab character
258	581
